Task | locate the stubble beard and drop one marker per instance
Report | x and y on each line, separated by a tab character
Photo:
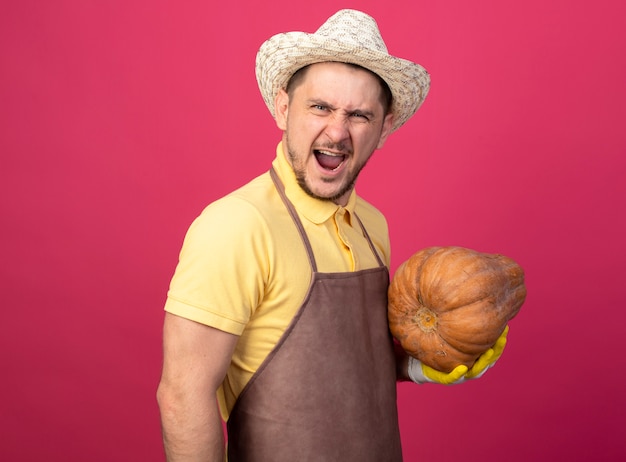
300	172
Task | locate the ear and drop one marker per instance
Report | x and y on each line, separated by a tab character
281	108
386	130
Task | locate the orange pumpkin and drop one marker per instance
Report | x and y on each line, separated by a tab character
448	305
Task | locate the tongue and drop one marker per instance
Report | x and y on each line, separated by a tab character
329	162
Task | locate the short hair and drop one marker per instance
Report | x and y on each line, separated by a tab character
386	97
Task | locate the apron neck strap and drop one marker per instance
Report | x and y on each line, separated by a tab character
296	219
294	216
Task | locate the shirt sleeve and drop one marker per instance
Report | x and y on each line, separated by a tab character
222	270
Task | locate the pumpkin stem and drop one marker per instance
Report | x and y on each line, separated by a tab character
426	319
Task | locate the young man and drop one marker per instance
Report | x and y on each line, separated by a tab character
278	304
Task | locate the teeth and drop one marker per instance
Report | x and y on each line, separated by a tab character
328	159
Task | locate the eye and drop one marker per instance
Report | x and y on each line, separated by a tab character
359	116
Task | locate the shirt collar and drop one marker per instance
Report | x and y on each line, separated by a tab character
314	210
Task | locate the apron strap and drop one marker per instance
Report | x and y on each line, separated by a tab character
369	240
296	219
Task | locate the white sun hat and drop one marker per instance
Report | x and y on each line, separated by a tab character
349	36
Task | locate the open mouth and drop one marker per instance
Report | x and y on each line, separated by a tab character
329	161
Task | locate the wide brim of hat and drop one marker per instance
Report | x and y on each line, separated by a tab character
283	54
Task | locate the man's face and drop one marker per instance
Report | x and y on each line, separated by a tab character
332	123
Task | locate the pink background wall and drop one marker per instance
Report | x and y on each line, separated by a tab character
121	120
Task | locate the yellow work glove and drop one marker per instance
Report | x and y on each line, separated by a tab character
421	373
488	358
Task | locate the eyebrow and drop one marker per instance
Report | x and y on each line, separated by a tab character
321	102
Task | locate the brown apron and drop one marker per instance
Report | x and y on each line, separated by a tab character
327	391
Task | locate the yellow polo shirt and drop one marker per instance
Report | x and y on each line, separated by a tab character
243	267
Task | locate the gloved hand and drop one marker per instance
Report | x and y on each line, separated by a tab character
488	358
421	373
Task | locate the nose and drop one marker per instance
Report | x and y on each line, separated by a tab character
337	129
